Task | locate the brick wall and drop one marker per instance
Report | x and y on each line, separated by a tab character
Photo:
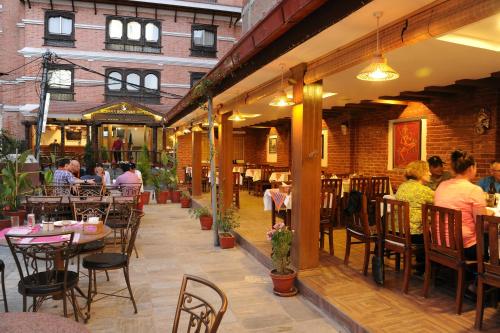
256	141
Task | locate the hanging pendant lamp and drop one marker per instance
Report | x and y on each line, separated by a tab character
378	70
281	99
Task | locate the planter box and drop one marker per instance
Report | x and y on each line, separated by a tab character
226	241
162	197
206	222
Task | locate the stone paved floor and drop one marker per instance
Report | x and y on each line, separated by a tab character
171	244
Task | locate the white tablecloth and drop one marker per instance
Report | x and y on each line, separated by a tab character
217	179
496	211
239	169
279	176
268	200
256	174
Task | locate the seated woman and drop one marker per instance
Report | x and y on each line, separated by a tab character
461	194
416	194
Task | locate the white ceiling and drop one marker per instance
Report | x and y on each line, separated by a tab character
431	62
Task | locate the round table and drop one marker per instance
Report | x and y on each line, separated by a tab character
14	322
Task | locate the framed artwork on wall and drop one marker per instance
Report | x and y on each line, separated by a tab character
407	141
272	145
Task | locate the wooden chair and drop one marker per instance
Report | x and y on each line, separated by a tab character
444	245
47	207
114	260
4	295
197	311
358	227
395	231
236	189
328	214
360	184
205	185
488	269
39	278
263	184
379	186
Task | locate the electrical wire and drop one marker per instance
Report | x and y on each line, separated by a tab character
17	68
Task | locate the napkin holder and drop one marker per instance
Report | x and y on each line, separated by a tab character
93	228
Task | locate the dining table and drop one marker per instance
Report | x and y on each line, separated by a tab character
23	322
280	176
255	174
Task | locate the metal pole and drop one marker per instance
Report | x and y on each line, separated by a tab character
213	183
43	91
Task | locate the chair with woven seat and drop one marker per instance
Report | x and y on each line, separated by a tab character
444	245
4	295
194	311
114	260
394	228
488	270
328	213
357	227
40	277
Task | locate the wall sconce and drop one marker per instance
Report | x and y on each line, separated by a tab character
343	128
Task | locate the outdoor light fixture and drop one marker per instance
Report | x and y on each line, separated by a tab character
281	99
196	128
378	70
206	124
237	116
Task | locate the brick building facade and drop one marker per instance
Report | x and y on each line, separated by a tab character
162	48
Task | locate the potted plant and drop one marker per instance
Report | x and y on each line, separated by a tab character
204	215
14	184
227	220
144	166
283	275
4	220
185	199
161	195
169	162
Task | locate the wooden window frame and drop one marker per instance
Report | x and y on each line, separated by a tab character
124	44
143	95
204	51
62	94
56	39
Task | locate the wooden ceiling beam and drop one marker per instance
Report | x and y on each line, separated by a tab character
447	90
489	82
407	98
425	94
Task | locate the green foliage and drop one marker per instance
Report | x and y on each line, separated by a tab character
88	156
9	144
14	182
48	176
104	154
185	195
168	173
199	211
281	240
144	166
227	220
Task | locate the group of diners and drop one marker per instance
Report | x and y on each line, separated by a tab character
428	183
67	173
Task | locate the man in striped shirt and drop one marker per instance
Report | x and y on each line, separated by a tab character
62	176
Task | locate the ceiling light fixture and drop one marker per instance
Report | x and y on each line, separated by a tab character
196	128
281	99
238	116
378	70
187	130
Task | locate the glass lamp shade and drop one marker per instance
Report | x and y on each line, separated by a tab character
378	70
281	100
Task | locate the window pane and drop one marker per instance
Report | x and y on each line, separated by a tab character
115	29
151	81
134	30
112	84
66	26
134	79
60	78
55	25
152	32
203	38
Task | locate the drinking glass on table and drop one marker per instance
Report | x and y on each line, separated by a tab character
14	221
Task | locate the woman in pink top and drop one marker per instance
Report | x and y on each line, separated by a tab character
460	194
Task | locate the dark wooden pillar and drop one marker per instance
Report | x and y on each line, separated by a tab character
28	135
196	163
63	139
155	143
306	173
95	140
226	159
164	138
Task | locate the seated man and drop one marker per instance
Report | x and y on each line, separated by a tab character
490	183
63	176
128	176
437	172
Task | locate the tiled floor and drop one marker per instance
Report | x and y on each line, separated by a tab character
171	244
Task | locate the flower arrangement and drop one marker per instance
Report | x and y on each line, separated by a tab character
281	239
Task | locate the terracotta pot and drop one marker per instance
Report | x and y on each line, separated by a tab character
162	197
185	202
226	240
283	283
175	196
206	222
4	223
145	197
20	213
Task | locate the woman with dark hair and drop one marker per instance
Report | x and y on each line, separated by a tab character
460	193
